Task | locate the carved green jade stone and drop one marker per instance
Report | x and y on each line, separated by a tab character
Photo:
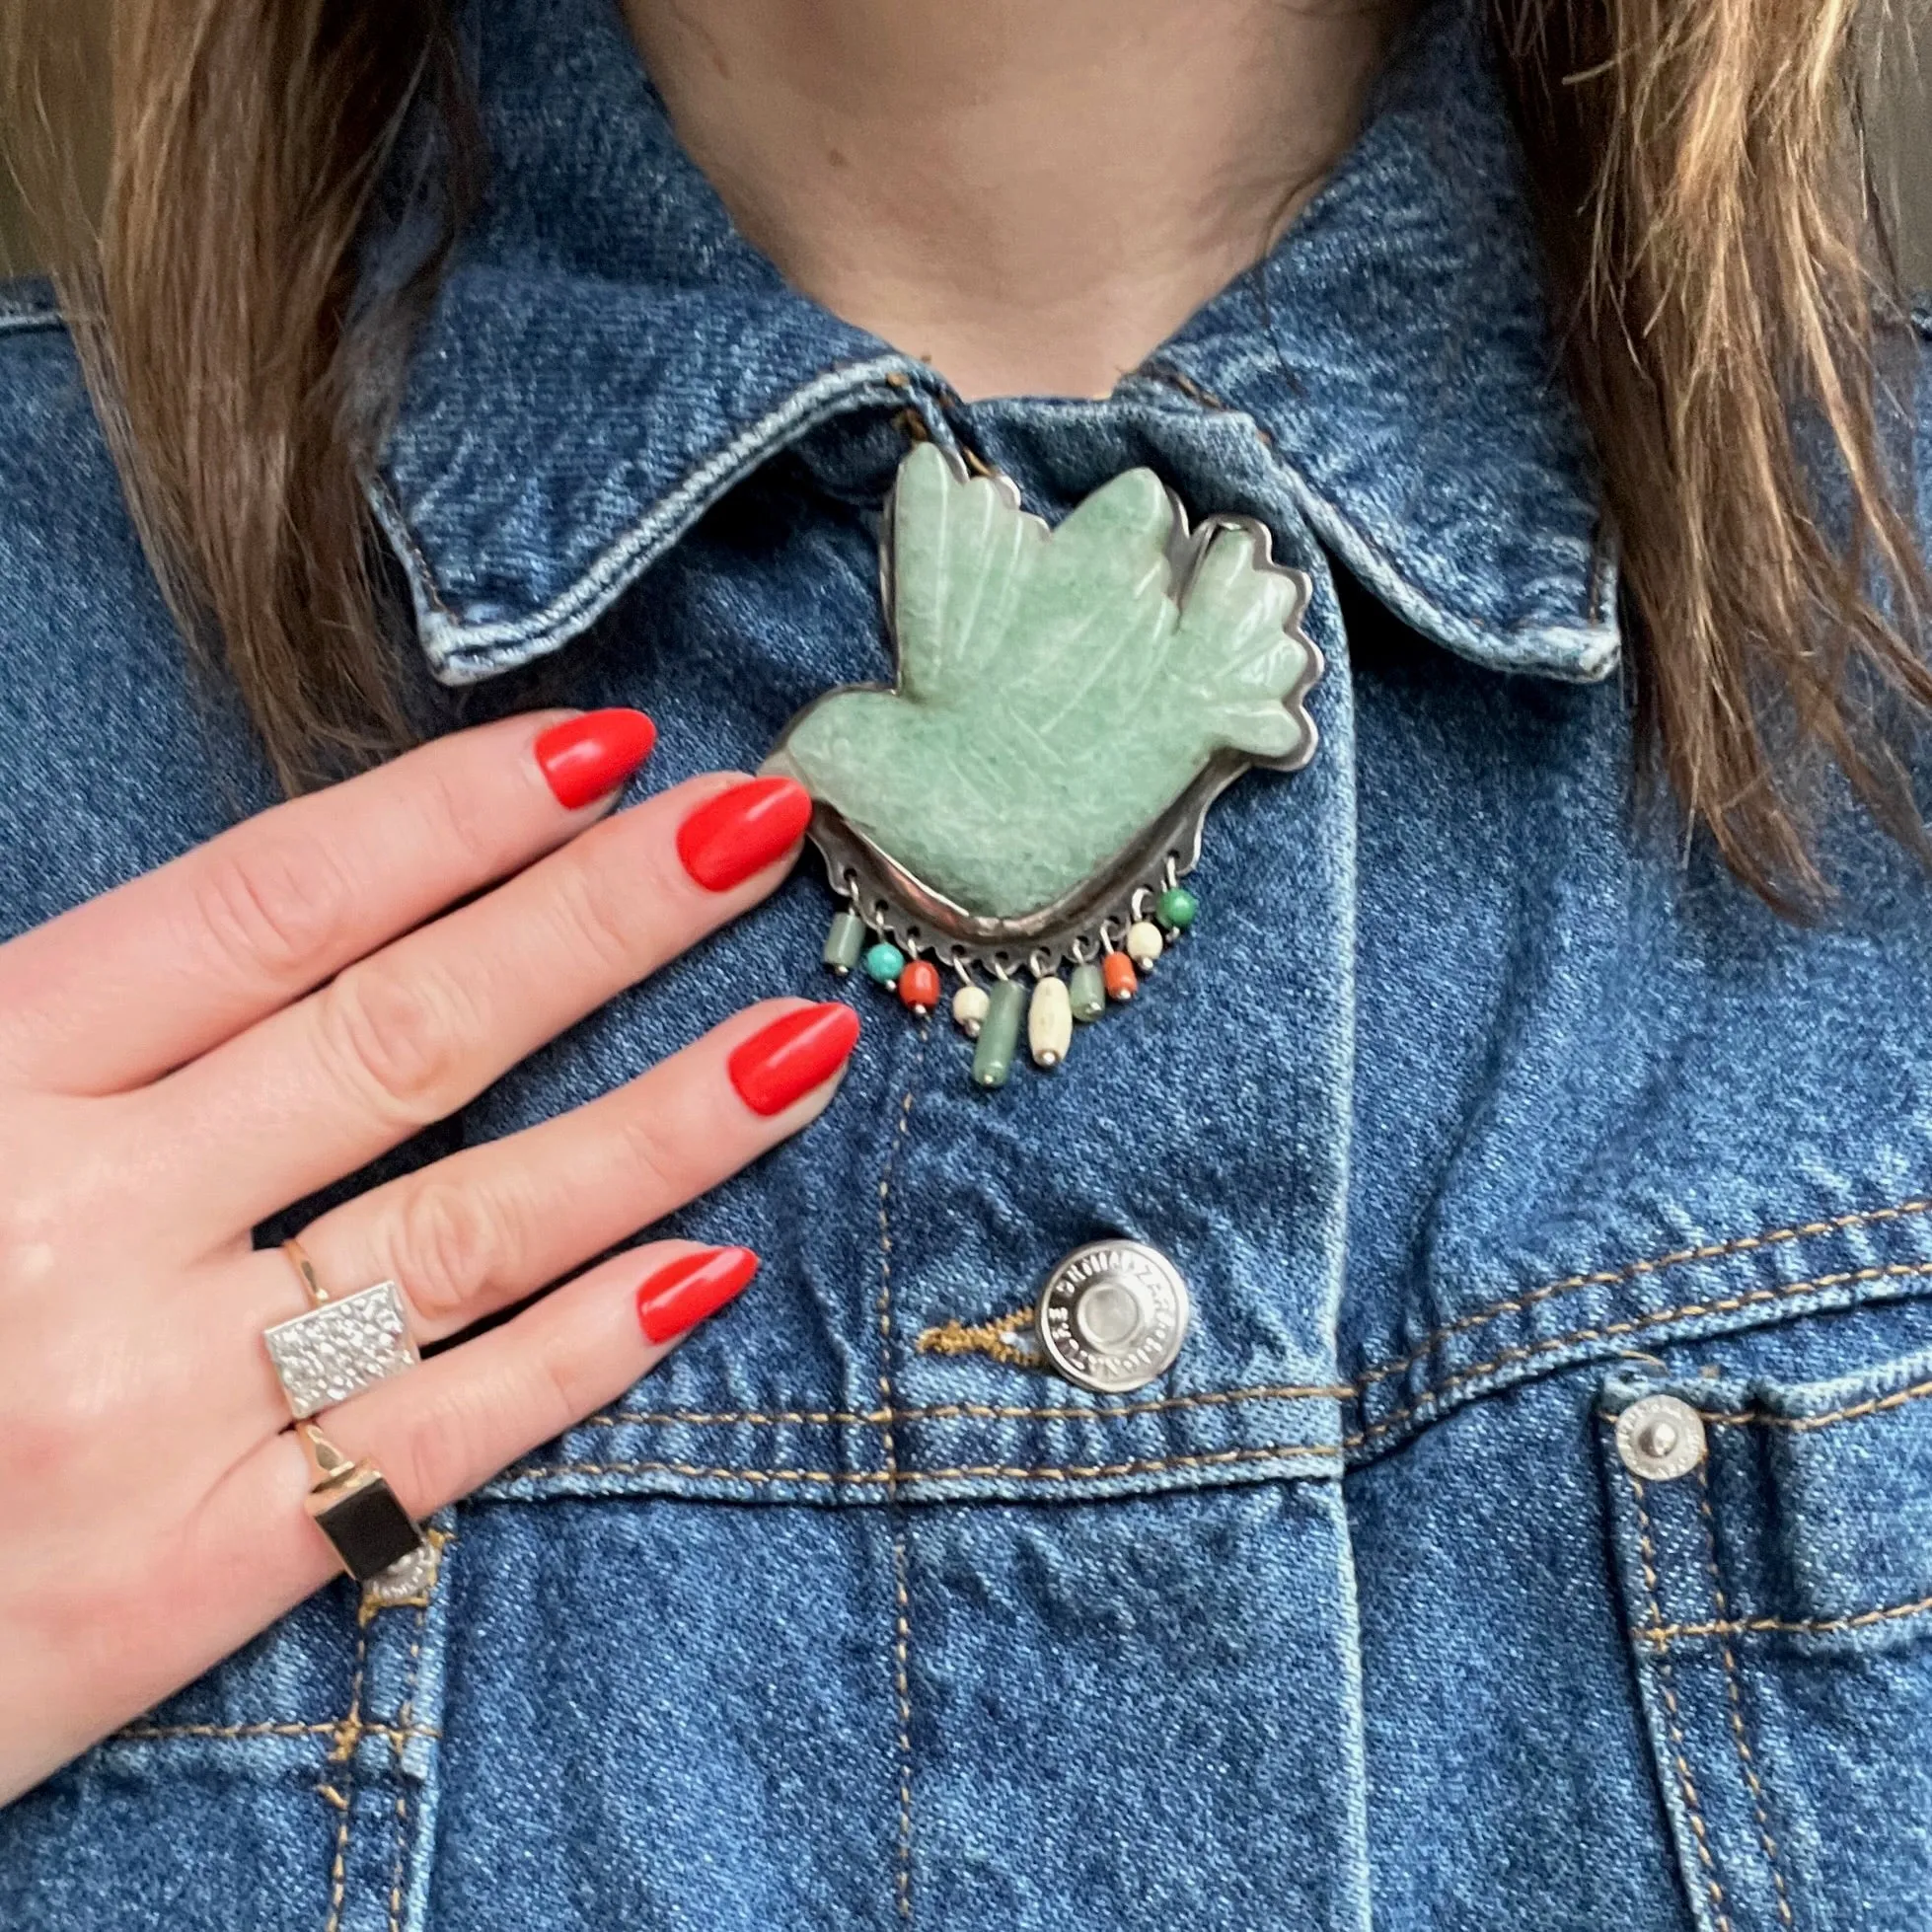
1058	690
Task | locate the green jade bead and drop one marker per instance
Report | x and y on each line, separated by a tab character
845	941
884	962
1005	1014
1176	907
1089	990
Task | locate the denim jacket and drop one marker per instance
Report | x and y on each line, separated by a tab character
1475	1109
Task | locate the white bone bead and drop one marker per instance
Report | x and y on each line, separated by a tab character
1144	943
1049	1021
969	1007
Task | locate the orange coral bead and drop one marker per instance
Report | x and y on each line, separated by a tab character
1118	972
918	985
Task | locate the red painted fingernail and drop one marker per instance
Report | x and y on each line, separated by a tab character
791	1056
585	757
740	831
684	1292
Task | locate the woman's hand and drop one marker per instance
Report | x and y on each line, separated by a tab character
186	1056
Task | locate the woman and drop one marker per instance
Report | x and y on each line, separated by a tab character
1416	1421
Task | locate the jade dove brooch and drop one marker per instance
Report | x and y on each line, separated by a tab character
1028	794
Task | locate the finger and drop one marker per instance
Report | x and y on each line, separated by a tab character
122	989
410	1034
455	1420
490	1225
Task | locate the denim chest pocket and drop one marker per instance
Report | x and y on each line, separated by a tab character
1777	1590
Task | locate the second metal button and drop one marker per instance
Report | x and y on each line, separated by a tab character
1659	1438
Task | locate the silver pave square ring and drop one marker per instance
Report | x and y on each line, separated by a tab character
339	1348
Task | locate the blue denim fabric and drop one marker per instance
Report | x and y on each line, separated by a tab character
1475	1107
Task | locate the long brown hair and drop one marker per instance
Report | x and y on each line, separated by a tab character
1717	260
214	306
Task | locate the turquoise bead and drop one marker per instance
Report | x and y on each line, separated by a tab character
884	962
1176	908
1088	989
845	941
993	1054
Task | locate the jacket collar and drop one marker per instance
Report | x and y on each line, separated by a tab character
608	356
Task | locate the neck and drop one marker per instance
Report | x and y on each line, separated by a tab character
1029	197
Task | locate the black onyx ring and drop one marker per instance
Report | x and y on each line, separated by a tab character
353	1506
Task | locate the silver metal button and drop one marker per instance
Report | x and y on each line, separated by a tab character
1112	1316
1659	1438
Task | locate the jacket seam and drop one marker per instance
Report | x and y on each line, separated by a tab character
1852	1412
400	1858
903	1689
343	1752
875	1478
1661	1635
977	1411
1733	1693
1687	1785
901	1625
390	514
1637	1270
396	1735
1688	1312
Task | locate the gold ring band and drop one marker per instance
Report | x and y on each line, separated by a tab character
298	1257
